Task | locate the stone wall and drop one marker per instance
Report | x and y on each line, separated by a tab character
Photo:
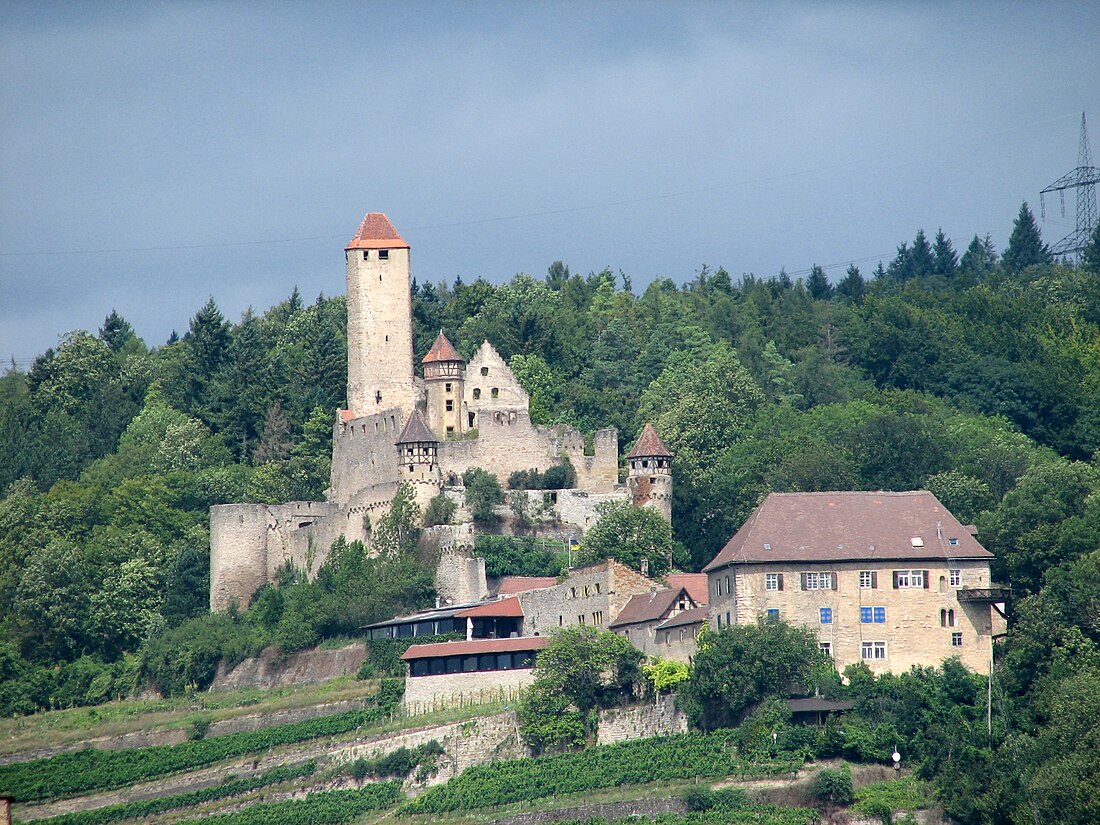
912	630
427	693
660	718
473	742
364	452
640	809
272	669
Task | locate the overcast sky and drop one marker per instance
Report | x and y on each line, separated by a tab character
155	154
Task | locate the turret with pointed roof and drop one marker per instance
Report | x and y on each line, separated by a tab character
650	476
380	348
444	377
418	458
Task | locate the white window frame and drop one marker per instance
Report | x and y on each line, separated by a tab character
866	579
956	640
819	581
771	581
826	648
910	579
872	651
955	577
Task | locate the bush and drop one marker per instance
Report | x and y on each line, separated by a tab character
559	477
834	785
483	494
440	510
521	555
384	655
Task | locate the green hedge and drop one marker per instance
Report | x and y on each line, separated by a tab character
87	770
628	763
384	655
328	808
747	815
147	807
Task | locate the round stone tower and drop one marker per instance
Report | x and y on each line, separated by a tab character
444	377
380	349
418	459
650	476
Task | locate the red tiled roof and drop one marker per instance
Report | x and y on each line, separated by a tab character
649	443
442	350
694	583
475	646
503	607
416	431
510	585
684	617
376	232
849	526
346	415
648	607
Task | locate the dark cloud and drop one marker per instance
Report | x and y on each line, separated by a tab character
651	138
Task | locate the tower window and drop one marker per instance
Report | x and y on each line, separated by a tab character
477	393
495	392
366	254
383	254
447	386
378	397
484	370
450	405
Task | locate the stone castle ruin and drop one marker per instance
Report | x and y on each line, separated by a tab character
426	431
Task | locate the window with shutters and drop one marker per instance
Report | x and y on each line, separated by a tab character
773	581
773	614
868	579
818	581
826	615
910	579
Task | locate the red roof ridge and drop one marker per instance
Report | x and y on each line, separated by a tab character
442	350
649	443
376	232
459	648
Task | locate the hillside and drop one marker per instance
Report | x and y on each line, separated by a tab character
976	377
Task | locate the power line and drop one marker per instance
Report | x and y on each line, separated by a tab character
564	210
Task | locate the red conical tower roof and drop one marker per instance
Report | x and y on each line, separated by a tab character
649	444
376	232
442	350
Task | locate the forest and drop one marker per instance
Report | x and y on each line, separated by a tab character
974	374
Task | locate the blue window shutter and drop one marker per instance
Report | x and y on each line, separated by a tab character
826	615
880	615
865	615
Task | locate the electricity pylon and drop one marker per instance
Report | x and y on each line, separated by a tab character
1084	179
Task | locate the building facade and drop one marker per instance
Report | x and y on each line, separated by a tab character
889	579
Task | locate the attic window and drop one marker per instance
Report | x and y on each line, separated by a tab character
484	370
917	541
495	392
383	254
767	547
953	542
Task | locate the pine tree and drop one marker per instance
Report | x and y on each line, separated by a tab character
818	284
116	331
921	262
979	260
880	272
852	288
946	262
1025	246
901	268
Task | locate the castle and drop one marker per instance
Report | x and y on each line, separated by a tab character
428	431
